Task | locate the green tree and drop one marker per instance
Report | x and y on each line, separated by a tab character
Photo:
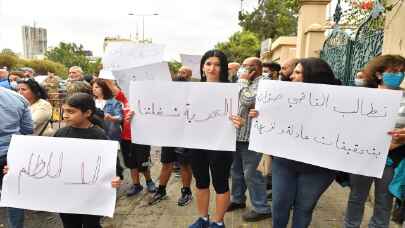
174	66
271	19
9	52
71	54
240	46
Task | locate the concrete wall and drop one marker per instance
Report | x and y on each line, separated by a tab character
394	33
283	48
311	12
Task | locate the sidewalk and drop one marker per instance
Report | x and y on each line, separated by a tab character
134	211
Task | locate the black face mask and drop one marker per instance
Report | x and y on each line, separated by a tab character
284	78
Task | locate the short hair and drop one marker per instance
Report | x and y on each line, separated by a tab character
77	68
378	65
107	93
18	73
188	69
316	70
223	75
272	66
81	101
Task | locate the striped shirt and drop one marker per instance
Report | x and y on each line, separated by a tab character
247	99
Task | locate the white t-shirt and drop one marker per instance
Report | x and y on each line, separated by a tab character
100	103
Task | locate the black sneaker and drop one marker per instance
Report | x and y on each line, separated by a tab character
253	216
134	190
157	197
235	206
186	197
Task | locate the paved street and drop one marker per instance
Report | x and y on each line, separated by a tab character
134	211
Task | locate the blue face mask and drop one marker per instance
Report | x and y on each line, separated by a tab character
393	80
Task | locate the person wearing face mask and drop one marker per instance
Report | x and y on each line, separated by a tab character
382	72
271	70
359	80
244	173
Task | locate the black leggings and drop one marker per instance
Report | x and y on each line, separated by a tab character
80	221
218	162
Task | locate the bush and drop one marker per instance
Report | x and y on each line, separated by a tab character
8	60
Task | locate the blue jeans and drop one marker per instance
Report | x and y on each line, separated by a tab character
246	177
297	186
360	187
15	217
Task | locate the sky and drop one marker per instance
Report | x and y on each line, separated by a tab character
184	26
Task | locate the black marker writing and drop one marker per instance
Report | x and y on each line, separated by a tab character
40	168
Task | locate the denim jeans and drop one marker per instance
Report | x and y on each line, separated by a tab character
15	217
360	187
245	176
297	186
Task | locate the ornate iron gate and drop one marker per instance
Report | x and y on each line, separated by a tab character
347	55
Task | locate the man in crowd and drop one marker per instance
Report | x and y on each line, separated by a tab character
233	70
271	70
28	72
75	73
287	68
244	173
76	82
15	118
170	155
4	82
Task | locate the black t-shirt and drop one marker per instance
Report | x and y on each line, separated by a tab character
87	133
81	133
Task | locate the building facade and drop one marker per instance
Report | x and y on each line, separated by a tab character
34	41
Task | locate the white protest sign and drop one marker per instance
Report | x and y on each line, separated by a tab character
192	61
63	175
152	72
336	127
184	114
123	55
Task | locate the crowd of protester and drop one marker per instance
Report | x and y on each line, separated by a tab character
96	108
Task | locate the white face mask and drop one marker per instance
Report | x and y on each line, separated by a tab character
266	74
13	85
359	82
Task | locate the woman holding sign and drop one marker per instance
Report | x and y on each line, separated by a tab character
384	72
214	68
298	186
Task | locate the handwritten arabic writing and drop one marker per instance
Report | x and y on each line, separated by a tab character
95	176
186	112
322	100
297	131
39	168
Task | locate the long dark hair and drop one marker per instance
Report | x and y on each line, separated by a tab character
107	93
223	75
316	70
81	101
37	90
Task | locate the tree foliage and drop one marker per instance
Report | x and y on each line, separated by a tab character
174	67
271	19
41	67
240	46
71	54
